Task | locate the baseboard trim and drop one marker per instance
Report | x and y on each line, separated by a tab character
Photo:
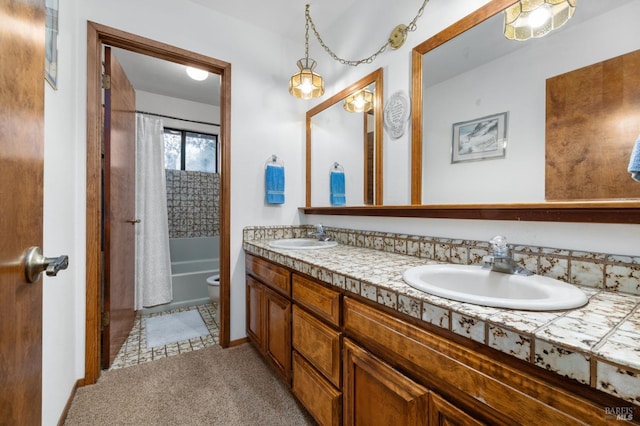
63	417
238	342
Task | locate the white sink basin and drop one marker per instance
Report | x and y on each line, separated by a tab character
472	284
301	244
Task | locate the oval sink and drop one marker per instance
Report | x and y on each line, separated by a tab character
301	244
472	284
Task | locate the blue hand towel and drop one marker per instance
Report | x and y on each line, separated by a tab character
634	162
337	188
274	184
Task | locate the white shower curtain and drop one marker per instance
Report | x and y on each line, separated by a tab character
153	262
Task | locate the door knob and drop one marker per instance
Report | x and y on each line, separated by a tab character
133	221
35	263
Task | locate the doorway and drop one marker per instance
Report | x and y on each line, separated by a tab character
98	36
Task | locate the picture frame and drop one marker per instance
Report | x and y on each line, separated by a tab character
480	139
51	44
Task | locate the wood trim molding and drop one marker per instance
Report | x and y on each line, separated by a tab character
97	36
596	212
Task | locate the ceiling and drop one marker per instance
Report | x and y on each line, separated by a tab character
271	14
166	78
169	79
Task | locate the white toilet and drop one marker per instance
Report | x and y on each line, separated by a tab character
213	284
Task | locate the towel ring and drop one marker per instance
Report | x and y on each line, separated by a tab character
274	161
337	167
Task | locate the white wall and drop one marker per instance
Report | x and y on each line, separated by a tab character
180	108
63	296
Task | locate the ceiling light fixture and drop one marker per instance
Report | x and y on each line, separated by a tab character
534	18
306	84
197	74
361	101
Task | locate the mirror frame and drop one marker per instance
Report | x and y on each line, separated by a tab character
377	78
618	211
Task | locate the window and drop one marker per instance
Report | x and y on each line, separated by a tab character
185	150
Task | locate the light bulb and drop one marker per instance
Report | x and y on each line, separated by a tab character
197	74
538	17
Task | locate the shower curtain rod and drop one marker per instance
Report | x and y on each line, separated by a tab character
177	118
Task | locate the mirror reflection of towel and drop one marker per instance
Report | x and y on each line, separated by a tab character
337	188
634	162
274	184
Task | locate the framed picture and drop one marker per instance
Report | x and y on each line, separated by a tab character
480	139
51	44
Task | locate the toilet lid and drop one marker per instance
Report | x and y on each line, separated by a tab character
213	280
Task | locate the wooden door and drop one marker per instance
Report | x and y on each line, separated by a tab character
119	209
376	394
21	176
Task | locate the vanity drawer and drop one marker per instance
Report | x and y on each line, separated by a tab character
322	400
323	302
318	343
274	276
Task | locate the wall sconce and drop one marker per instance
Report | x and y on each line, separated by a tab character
534	18
306	84
361	101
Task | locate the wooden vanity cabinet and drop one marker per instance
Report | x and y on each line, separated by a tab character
269	313
351	362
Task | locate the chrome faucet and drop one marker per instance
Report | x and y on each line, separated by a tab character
320	233
501	260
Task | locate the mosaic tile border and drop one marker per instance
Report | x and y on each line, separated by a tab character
134	351
602	336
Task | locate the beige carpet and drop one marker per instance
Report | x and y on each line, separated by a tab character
212	386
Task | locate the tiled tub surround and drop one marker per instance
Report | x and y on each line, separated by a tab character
193	204
598	344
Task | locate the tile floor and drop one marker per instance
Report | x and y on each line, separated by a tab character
134	351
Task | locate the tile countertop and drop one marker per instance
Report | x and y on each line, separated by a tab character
598	344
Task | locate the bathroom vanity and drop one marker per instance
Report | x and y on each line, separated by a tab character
351	359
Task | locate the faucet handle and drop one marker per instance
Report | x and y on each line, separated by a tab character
499	241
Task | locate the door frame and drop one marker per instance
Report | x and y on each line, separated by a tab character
97	36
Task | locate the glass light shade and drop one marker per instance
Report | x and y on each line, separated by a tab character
306	84
535	18
361	101
197	74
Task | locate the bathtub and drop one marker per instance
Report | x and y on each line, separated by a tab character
193	260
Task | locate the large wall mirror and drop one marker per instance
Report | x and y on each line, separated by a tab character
475	82
344	146
458	86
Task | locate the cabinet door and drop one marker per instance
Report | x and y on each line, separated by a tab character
376	394
277	339
255	323
323	401
442	413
